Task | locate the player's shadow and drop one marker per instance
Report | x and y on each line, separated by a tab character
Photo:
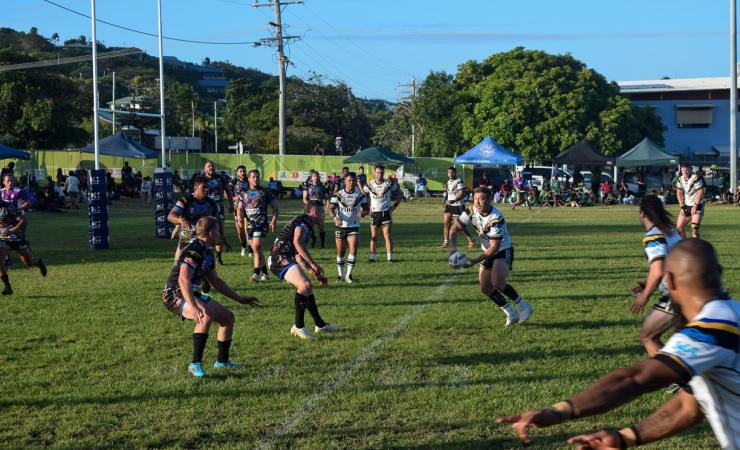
584	324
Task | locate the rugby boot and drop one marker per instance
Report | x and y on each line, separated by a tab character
254	278
7	291
264	277
349	279
525	310
327	328
196	369
339	279
244	251
301	333
511	316
226	365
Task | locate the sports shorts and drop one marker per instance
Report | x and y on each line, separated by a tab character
665	305
686	209
506	254
454	210
279	264
344	233
174	302
220	214
257	231
381	218
18	245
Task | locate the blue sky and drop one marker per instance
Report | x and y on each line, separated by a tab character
375	45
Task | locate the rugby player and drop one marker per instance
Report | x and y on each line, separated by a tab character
453	205
12	237
315	191
381	192
658	241
188	210
11	193
238	184
497	258
521	193
347	207
690	191
288	250
252	218
218	188
182	296
340	185
702	357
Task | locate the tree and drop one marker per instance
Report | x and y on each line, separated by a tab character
54	38
437	111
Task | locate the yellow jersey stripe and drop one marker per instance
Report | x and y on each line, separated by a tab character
714	325
652	238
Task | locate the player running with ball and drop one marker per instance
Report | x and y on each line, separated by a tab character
497	258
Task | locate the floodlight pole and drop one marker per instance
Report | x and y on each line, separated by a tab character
733	97
114	102
95	85
163	133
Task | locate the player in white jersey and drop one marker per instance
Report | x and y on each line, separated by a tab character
347	206
702	357
690	191
382	192
657	242
453	205
497	258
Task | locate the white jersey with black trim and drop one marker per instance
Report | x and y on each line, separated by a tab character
348	207
380	194
705	352
690	188
452	188
657	244
488	226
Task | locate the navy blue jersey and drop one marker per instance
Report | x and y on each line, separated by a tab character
255	203
283	244
216	187
316	191
237	186
191	209
199	257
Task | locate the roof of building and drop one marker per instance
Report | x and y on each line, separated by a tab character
674	85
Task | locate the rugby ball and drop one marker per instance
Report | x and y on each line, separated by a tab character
457	260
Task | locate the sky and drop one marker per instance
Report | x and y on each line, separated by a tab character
377	46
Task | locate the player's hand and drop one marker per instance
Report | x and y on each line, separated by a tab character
185	224
640	300
534	418
639	287
601	440
471	243
338	221
468	264
199	311
247	300
272	226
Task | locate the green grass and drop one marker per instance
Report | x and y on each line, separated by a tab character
90	358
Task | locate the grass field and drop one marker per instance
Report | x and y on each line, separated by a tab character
90	358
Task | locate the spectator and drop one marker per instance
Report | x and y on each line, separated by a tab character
139	178
127	173
72	187
484	181
60	175
420	189
606	189
82	176
641	183
666	179
361	177
146	190
177	181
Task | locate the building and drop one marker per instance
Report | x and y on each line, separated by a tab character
695	112
212	79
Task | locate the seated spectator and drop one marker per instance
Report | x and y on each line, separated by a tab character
629	199
420	189
146	190
484	181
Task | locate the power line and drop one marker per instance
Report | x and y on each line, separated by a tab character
146	33
69	60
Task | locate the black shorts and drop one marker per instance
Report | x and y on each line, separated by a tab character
257	231
174	302
220	215
454	210
381	218
279	263
507	255
687	210
344	233
665	305
19	245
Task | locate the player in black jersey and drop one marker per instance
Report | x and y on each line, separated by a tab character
182	295
12	237
188	210
218	188
252	218
239	184
288	250
315	191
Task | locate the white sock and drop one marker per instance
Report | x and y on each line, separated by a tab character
373	256
350	265
390	255
340	266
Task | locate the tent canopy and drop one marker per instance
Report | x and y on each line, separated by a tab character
121	145
11	153
378	155
489	152
583	153
646	153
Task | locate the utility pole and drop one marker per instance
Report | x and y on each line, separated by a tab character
279	43
215	127
114	102
733	98
192	108
411	111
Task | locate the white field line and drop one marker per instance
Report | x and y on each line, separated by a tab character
346	373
